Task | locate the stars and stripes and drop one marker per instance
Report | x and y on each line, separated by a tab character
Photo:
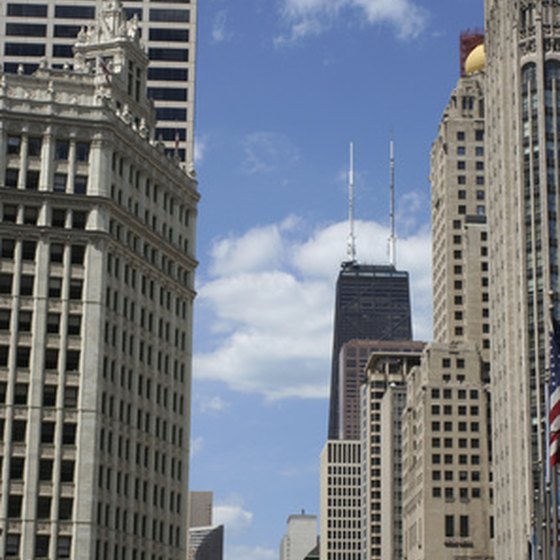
554	395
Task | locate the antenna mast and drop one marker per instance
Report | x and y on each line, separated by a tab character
392	236
351	243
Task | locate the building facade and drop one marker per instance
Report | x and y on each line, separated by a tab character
522	96
340	536
460	267
48	29
382	403
97	262
446	475
300	538
372	302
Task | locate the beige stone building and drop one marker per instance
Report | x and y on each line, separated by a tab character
382	403
97	230
460	263
446	496
340	505
522	98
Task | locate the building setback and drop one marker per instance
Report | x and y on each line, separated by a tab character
97	261
372	302
301	537
33	31
522	96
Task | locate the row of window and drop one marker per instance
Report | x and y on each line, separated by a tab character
42	544
29	215
29	251
167	54
88	12
22	359
61	183
61	148
25	320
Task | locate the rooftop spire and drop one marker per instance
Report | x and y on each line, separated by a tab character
392	235
351	243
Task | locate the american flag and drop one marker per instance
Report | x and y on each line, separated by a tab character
554	395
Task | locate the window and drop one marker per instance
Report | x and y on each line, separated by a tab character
12	176
461	164
66	471
167	94
449	525
51	358
75	288
55	286
24	321
57	252
170	15
44	507
26	282
7	248
65	508
72	360
30	215
74	12
80	184
74	324
12	544
45	469
27	10
63	547
479	135
77	254
34	144
10	213
464	525
47	432
69	31
61	149
5	315
170	75
70	397
28	249
13	145
59	184
169	34
461	179
42	546
53	323
19	430
58	217
170	55
82	151
16	468
49	395
479	151
461	150
22	356
460	135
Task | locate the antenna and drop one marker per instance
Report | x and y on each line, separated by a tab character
392	236
351	243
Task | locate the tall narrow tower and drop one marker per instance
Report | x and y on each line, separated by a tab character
523	145
372	302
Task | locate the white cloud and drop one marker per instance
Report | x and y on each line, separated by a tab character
232	515
265	152
200	146
211	404
196	446
271	300
241	552
311	17
220	32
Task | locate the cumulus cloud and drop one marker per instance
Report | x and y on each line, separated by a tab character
311	17
232	515
265	152
271	302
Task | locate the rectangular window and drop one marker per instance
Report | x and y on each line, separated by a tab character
74	12
55	286
60	180
82	151
464	525
28	250
12	176
57	252
27	10
80	184
61	150
449	526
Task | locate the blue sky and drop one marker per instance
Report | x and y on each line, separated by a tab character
283	86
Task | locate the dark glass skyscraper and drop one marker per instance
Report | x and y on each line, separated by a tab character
372	302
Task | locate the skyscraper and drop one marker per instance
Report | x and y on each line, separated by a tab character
372	302
48	29
301	537
96	289
523	145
